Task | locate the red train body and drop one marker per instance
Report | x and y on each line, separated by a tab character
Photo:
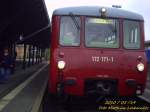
113	63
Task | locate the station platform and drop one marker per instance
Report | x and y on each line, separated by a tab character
24	90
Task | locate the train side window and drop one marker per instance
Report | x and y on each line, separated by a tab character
69	32
131	34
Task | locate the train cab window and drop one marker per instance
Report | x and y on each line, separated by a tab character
69	31
101	33
131	34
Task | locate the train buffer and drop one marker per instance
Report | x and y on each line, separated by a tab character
24	92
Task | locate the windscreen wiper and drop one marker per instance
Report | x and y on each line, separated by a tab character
74	20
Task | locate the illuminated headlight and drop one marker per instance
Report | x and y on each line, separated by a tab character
103	10
61	65
140	67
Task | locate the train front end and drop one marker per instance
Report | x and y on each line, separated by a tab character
97	56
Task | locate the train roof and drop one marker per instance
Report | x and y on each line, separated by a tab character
95	11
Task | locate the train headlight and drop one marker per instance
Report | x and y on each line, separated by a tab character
103	12
140	67
61	65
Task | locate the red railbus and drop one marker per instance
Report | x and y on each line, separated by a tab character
97	50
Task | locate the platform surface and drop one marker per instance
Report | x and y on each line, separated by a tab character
24	96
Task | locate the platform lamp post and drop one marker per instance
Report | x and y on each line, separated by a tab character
29	58
40	55
33	54
36	55
24	57
24	53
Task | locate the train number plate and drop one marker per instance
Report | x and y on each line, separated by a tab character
104	59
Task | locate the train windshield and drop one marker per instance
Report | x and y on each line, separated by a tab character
70	31
101	33
131	34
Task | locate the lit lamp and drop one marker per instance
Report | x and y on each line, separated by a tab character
103	12
21	38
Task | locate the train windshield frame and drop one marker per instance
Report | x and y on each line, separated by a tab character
70	31
101	32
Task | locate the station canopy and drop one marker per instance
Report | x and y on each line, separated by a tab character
24	21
